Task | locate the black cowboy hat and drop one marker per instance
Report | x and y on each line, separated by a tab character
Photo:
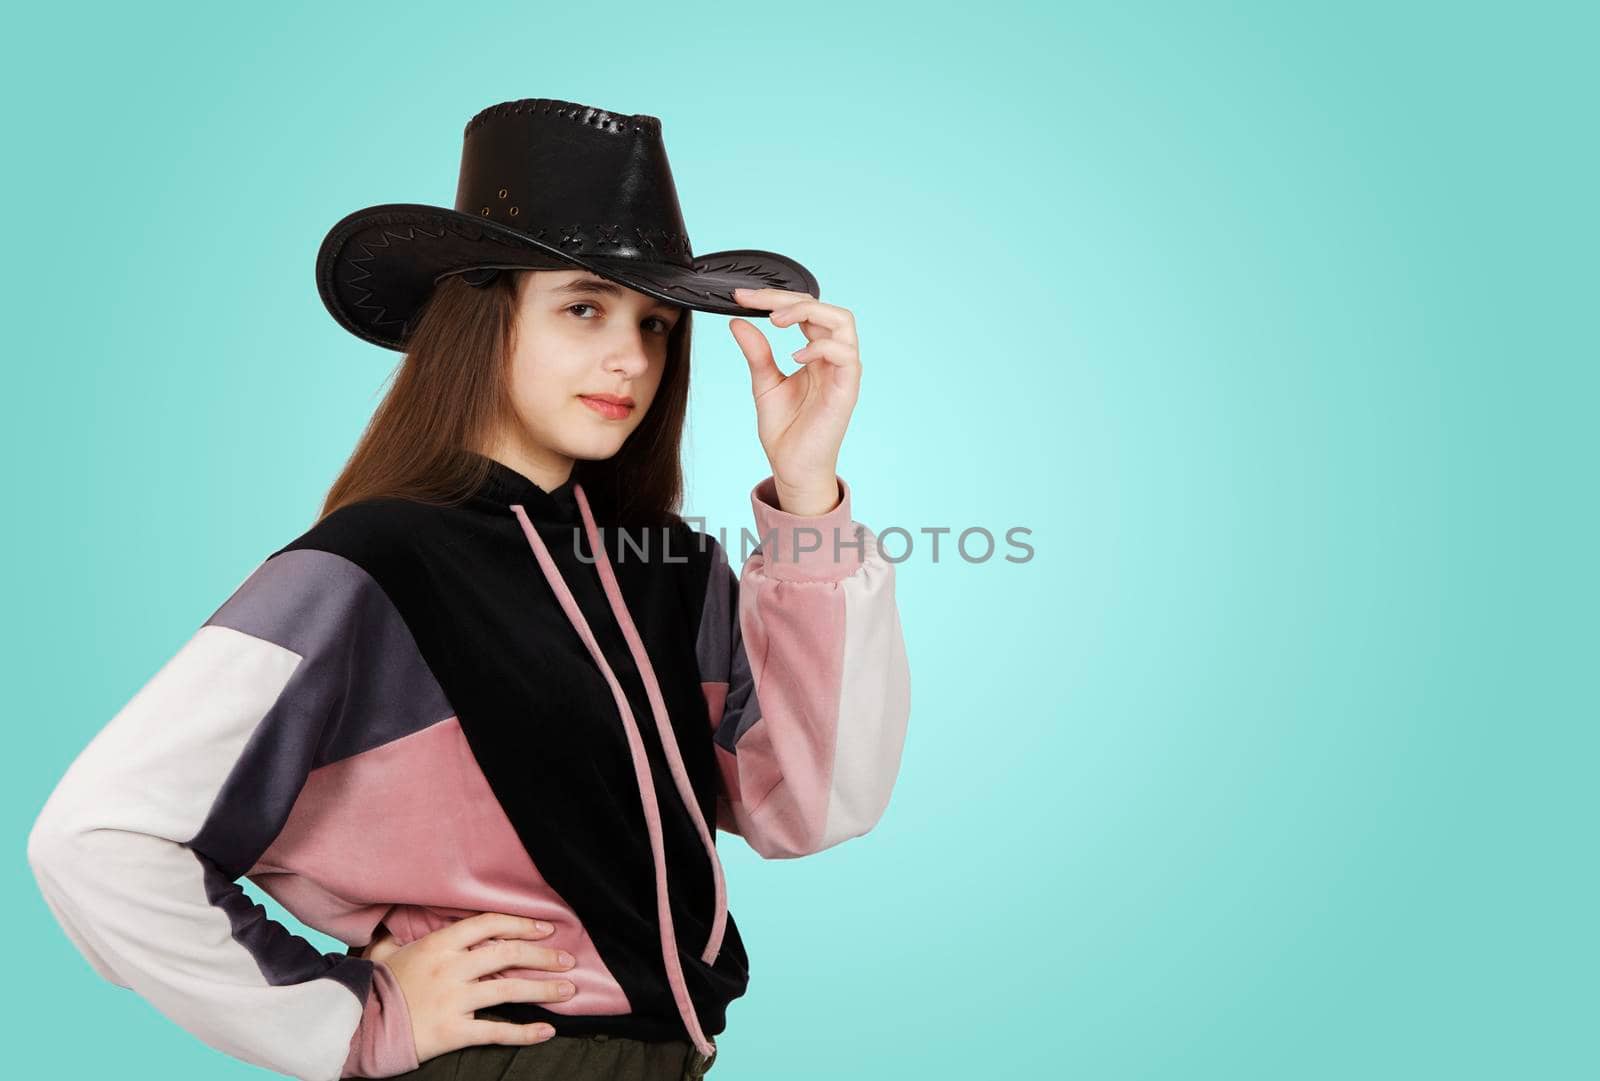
545	184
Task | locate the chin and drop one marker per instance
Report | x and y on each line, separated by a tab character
595	449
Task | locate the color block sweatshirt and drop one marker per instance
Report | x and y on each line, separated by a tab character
413	714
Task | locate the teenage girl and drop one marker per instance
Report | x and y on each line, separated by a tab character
483	720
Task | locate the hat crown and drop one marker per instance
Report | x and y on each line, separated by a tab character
583	179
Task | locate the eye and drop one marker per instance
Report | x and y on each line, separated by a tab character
665	326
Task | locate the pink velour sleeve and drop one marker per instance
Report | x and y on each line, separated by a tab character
383	1044
803	665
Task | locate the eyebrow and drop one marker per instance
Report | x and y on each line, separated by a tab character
602	286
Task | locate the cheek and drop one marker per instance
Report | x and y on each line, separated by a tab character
538	386
657	370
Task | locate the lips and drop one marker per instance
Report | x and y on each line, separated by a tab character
610	406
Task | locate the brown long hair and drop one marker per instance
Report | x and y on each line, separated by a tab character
452	391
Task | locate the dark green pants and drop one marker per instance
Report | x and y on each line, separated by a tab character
566	1058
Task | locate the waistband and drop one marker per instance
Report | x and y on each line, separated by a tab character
695	1063
647	1028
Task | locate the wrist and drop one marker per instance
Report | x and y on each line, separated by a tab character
809	499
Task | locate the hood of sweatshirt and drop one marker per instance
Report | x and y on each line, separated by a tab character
504	487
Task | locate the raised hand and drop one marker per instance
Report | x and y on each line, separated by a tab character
801	417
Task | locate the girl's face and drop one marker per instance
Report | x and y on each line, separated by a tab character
580	342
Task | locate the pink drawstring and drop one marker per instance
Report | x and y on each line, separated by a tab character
641	764
669	743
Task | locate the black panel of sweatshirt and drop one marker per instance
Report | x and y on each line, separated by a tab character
543	724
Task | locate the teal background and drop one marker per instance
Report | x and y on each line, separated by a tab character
1273	323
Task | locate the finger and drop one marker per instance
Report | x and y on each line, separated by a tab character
840	322
466	932
840	354
812	330
509	1032
764	371
512	989
513	953
766	298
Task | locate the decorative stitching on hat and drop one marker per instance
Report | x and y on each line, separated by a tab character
371	248
754	270
776	279
617	123
368	247
603	238
592	238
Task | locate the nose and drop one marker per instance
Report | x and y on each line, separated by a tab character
631	357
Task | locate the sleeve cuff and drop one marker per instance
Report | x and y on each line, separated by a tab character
806	547
383	1044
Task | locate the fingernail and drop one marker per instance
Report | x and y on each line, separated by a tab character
566	958
543	928
547	1030
566	987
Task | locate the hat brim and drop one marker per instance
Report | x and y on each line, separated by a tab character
377	267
